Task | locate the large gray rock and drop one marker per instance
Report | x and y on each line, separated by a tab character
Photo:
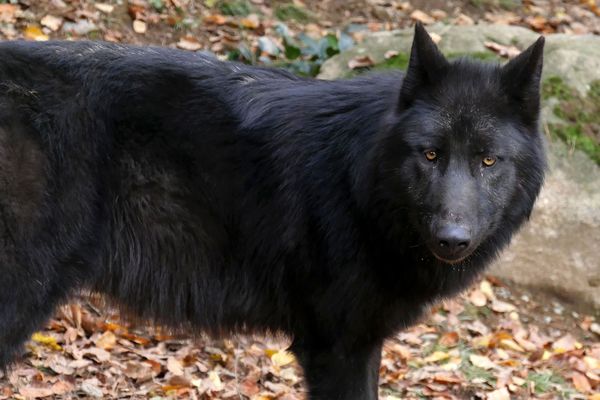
574	58
559	249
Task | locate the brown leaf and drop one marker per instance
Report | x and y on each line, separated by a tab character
174	366
62	387
215	19
481	361
106	341
565	343
538	22
8	13
502	18
249	388
105	8
464	20
139	26
422	17
500	394
477	298
250	22
60	365
439	14
446	378
189	43
502	306
139	371
34	392
502	50
581	383
136	11
51	22
90	387
100	355
360	62
449	339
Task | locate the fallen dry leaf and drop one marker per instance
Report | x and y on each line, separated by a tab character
502	50
174	366
464	20
499	394
138	370
360	62
100	355
105	8
106	341
422	17
34	392
565	344
216	385
139	26
502	306
581	383
250	22
449	339
282	358
215	19
390	53
34	32
477	298
46	340
481	361
8	13
538	22
51	22
189	43
436	356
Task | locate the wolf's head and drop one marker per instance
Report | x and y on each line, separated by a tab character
462	151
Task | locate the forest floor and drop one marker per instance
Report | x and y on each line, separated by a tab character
493	342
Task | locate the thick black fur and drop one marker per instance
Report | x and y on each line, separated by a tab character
221	197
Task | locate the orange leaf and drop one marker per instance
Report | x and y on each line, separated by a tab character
215	19
449	339
34	32
581	383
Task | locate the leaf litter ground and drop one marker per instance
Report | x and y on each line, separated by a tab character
493	342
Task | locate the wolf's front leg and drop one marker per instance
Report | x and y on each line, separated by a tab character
339	373
28	294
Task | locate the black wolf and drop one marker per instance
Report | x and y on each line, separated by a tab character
220	197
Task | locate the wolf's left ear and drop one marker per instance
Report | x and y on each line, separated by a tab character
426	64
521	79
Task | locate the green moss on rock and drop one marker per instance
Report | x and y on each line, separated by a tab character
291	12
581	115
478	55
399	61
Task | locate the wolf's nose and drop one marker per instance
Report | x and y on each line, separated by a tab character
453	241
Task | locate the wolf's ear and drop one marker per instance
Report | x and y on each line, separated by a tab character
521	79
426	64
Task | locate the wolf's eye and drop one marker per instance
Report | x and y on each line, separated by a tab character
489	161
430	155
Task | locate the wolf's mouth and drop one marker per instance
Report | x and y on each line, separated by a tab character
451	261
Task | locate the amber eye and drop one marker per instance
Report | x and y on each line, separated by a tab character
430	155
489	161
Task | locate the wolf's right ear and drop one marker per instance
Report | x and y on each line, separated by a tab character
426	64
521	79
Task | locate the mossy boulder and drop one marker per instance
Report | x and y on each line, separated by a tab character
558	249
